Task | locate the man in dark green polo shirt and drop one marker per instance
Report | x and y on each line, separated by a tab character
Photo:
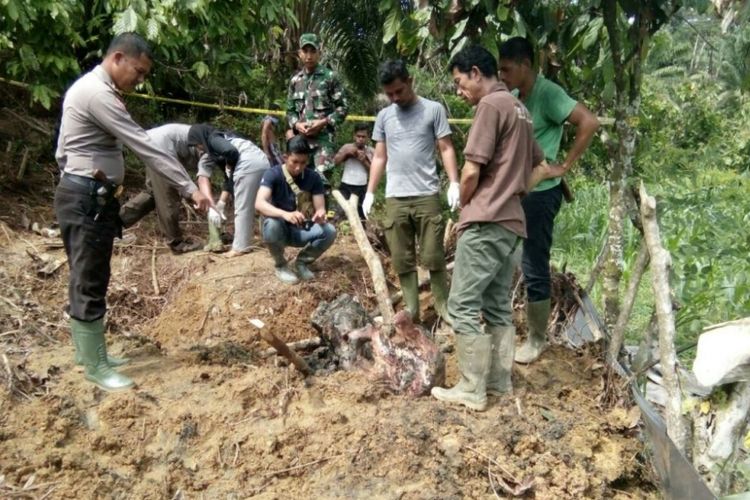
550	108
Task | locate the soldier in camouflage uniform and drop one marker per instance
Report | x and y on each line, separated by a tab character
316	104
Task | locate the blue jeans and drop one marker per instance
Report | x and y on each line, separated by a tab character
278	233
540	208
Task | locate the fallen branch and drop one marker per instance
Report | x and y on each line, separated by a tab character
37	125
282	348
5	231
154	279
660	264
371	258
24	162
300	345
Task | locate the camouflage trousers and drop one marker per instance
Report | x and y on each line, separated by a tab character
323	153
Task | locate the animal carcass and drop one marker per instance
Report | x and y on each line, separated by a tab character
408	362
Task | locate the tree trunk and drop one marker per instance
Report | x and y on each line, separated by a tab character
613	265
660	265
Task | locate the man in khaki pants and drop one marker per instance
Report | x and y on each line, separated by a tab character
406	133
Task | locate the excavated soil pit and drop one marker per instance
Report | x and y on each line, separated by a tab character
212	418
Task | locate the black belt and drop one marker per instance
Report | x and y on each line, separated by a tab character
92	185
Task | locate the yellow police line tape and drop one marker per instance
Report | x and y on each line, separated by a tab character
241	109
261	111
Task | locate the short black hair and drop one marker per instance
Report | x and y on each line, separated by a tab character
475	55
517	49
298	145
131	44
391	70
359	127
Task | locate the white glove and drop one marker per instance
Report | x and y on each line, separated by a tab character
215	217
220	205
367	204
454	195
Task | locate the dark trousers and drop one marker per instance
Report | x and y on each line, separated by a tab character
540	208
349	189
88	241
158	195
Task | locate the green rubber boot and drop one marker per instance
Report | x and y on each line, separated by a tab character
537	314
474	366
93	350
75	327
439	286
501	360
410	291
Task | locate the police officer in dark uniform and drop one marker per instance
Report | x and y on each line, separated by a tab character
95	125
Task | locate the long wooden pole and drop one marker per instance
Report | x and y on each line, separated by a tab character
371	258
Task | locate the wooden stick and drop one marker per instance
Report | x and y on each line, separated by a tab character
660	264
299	345
373	262
24	161
154	279
5	231
284	350
618	332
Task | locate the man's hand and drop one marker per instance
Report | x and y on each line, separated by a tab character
315	127
302	127
220	206
319	217
200	201
538	174
361	155
215	217
454	195
295	218
557	170
367	204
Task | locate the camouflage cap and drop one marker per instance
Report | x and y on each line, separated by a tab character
309	39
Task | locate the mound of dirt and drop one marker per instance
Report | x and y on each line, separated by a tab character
211	418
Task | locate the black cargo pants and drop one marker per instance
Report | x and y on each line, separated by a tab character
89	225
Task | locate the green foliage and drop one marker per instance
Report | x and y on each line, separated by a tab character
204	49
38	39
694	158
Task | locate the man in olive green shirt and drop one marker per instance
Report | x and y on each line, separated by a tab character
550	108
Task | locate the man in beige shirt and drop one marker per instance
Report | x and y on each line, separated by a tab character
95	124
